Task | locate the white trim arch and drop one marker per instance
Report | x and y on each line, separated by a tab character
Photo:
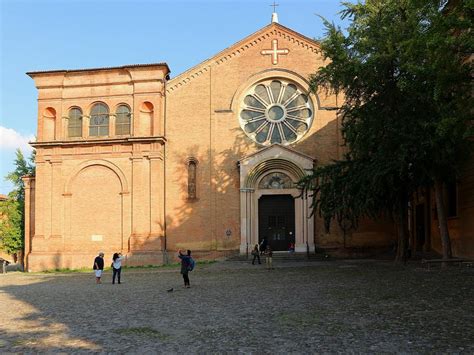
255	167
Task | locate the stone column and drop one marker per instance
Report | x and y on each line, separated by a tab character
56	200
39	203
137	186
246	201
29	182
156	210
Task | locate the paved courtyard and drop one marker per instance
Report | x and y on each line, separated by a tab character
333	306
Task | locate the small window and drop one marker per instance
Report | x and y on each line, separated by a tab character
192	180
74	124
99	122
123	120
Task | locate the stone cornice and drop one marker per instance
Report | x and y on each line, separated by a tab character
238	48
99	141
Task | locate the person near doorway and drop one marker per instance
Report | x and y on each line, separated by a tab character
269	257
256	254
185	262
291	248
116	267
263	246
98	267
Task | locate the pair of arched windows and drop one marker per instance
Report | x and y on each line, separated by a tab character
99	121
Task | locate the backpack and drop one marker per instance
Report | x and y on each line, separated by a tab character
191	264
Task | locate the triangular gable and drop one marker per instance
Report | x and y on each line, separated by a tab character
240	47
278	148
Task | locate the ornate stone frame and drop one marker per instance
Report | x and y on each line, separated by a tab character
255	167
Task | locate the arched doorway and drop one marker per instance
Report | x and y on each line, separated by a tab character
276	221
270	204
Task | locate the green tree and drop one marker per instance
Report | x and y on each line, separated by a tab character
401	67
11	239
12	230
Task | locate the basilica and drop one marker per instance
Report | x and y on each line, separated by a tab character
130	160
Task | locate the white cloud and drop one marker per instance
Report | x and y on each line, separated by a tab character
11	140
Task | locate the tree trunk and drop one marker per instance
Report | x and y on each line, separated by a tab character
442	220
401	220
21	259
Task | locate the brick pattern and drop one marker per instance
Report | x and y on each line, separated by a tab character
130	193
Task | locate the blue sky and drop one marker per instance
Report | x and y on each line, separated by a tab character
72	34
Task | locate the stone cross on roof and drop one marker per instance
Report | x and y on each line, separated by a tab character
274	14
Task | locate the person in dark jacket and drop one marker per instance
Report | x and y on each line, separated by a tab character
256	254
98	267
185	262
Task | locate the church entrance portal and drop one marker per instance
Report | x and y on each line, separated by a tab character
276	220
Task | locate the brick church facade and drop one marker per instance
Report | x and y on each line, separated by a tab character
130	160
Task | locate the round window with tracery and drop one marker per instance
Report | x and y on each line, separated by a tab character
276	111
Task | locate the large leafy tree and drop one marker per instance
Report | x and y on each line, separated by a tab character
402	70
12	222
11	240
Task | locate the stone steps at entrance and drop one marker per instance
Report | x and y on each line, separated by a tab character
281	256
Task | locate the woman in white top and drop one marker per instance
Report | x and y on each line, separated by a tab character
117	266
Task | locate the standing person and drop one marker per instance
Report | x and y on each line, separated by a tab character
185	264
117	266
269	257
263	246
98	267
256	254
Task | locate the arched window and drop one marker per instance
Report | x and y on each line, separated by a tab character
74	123
192	179
122	121
99	123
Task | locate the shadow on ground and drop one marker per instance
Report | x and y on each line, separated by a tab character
340	306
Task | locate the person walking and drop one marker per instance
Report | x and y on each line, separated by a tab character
185	264
256	254
98	267
269	257
263	246
116	267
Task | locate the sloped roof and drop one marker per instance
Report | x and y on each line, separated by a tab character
238	48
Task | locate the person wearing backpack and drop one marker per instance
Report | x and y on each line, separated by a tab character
187	265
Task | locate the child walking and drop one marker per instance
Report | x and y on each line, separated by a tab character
269	257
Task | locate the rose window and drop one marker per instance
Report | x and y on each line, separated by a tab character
276	112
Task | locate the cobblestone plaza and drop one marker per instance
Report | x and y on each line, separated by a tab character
299	307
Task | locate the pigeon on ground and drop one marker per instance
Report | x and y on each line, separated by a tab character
170	290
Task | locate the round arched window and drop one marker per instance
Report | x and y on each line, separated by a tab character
99	121
276	111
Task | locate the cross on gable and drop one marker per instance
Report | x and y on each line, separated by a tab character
274	52
274	6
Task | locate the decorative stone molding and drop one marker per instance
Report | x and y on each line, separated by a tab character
253	168
96	162
99	141
270	31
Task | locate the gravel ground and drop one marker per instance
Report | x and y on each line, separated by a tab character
234	307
